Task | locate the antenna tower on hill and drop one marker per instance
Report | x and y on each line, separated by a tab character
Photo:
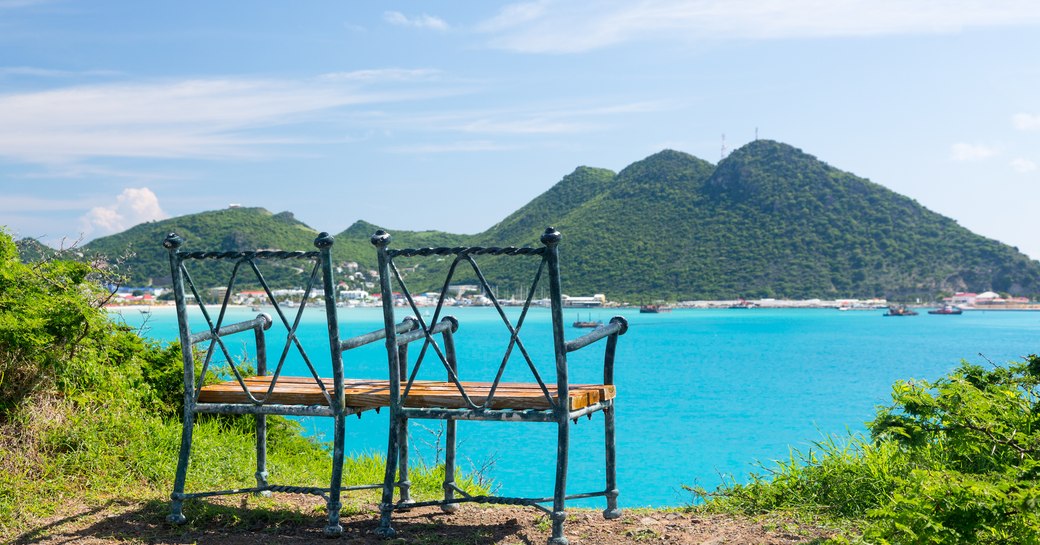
722	155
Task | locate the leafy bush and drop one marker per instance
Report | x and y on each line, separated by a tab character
91	411
976	440
956	460
47	319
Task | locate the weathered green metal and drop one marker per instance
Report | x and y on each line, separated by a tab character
214	333
559	411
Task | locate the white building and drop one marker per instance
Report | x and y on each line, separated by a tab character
596	300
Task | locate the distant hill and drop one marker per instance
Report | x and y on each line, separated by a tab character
772	221
768	221
32	250
221	230
787	224
354	244
526	225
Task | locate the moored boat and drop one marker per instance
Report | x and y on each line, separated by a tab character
946	309
590	323
654	309
900	310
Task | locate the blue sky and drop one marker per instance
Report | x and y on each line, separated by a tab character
451	115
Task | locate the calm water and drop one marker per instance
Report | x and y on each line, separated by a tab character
702	393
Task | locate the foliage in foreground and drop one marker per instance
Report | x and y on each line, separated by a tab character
956	460
89	410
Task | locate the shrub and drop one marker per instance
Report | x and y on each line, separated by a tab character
47	320
90	411
956	460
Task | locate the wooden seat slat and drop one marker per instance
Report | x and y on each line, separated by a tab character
423	394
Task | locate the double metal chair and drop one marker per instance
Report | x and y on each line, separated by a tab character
236	390
270	392
454	399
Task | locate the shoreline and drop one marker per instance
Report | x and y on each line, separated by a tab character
736	304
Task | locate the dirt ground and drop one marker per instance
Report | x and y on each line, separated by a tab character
295	520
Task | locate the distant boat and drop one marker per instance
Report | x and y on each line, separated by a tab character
743	304
946	309
654	309
587	323
900	310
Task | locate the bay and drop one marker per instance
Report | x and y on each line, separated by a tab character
703	395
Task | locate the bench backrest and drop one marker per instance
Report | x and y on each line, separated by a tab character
457	262
237	268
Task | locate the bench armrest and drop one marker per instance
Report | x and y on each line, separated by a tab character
616	326
262	321
448	323
407	331
406	325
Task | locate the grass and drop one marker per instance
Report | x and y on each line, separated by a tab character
835	484
835	478
55	451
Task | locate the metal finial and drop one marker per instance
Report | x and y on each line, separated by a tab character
381	238
454	323
323	241
551	236
172	241
620	320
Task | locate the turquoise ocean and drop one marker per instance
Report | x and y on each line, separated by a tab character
703	395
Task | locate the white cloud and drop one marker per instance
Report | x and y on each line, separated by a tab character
421	21
1023	165
451	147
131	207
570	118
971	152
526	125
1026	122
202	118
382	75
552	26
32	71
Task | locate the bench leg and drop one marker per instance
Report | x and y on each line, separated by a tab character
386	505
449	467
334	529
404	485
559	514
177	497
261	454
612	511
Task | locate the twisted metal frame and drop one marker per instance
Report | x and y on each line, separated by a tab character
215	331
559	408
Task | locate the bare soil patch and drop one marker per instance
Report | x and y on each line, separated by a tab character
295	520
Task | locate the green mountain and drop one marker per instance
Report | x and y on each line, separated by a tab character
526	225
772	221
31	250
789	225
146	261
768	221
353	244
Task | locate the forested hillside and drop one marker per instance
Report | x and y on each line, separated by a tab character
768	221
147	262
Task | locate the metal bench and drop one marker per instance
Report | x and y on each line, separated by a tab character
454	399
269	391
